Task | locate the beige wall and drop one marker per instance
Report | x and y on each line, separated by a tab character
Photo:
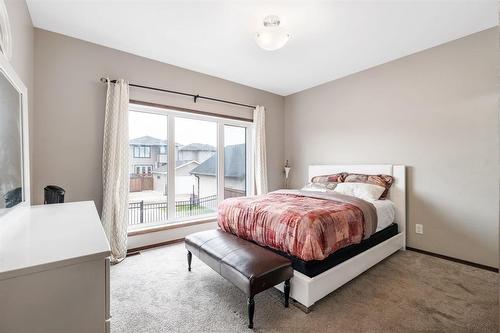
70	109
22	54
434	111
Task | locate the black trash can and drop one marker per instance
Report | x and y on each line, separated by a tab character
53	194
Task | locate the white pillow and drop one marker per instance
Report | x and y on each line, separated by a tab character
368	192
315	187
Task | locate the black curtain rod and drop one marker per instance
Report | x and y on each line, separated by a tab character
195	97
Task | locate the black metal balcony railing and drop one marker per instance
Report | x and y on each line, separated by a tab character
150	212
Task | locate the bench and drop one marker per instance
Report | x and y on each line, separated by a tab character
248	266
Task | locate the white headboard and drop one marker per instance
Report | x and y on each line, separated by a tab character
397	192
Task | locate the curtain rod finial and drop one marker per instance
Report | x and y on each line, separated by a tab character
104	79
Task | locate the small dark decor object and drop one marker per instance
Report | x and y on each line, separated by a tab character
53	194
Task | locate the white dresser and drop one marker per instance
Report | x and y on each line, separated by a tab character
54	270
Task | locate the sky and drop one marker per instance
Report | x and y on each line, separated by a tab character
186	130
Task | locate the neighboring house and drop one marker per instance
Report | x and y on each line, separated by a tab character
196	151
148	165
184	181
147	153
234	173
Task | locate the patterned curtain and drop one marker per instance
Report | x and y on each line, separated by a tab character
5	32
115	180
259	145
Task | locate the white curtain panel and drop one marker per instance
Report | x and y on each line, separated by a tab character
259	144
115	181
5	32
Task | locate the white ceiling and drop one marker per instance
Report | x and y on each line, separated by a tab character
330	39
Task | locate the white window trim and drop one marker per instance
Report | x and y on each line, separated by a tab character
220	121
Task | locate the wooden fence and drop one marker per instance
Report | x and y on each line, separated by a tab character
141	183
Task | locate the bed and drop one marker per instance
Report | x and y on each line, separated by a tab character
324	259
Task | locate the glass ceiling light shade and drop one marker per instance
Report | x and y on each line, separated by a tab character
272	36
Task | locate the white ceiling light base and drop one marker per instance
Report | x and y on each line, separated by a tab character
272	37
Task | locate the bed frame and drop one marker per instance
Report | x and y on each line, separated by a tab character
306	290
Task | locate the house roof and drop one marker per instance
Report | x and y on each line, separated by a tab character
197	147
234	163
178	164
149	141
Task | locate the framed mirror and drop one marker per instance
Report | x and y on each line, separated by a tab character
14	142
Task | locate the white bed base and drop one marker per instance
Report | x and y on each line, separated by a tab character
306	290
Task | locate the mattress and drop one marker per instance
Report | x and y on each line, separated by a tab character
316	267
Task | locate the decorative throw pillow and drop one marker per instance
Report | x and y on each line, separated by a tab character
368	192
335	178
319	187
380	180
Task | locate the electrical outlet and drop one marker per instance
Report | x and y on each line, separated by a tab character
419	228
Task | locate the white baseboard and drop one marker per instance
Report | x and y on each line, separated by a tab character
162	236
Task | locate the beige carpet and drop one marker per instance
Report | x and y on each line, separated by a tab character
408	292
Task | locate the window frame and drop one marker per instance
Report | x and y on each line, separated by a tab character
171	114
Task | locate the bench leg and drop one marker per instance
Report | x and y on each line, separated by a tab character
190	257
286	289
251	309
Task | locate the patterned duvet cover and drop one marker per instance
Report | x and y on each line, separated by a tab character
307	225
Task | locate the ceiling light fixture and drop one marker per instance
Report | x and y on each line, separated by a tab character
272	36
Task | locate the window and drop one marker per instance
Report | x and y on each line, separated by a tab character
235	161
143	169
142	152
147	194
196	177
205	159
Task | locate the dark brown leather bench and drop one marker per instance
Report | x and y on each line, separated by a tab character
248	266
